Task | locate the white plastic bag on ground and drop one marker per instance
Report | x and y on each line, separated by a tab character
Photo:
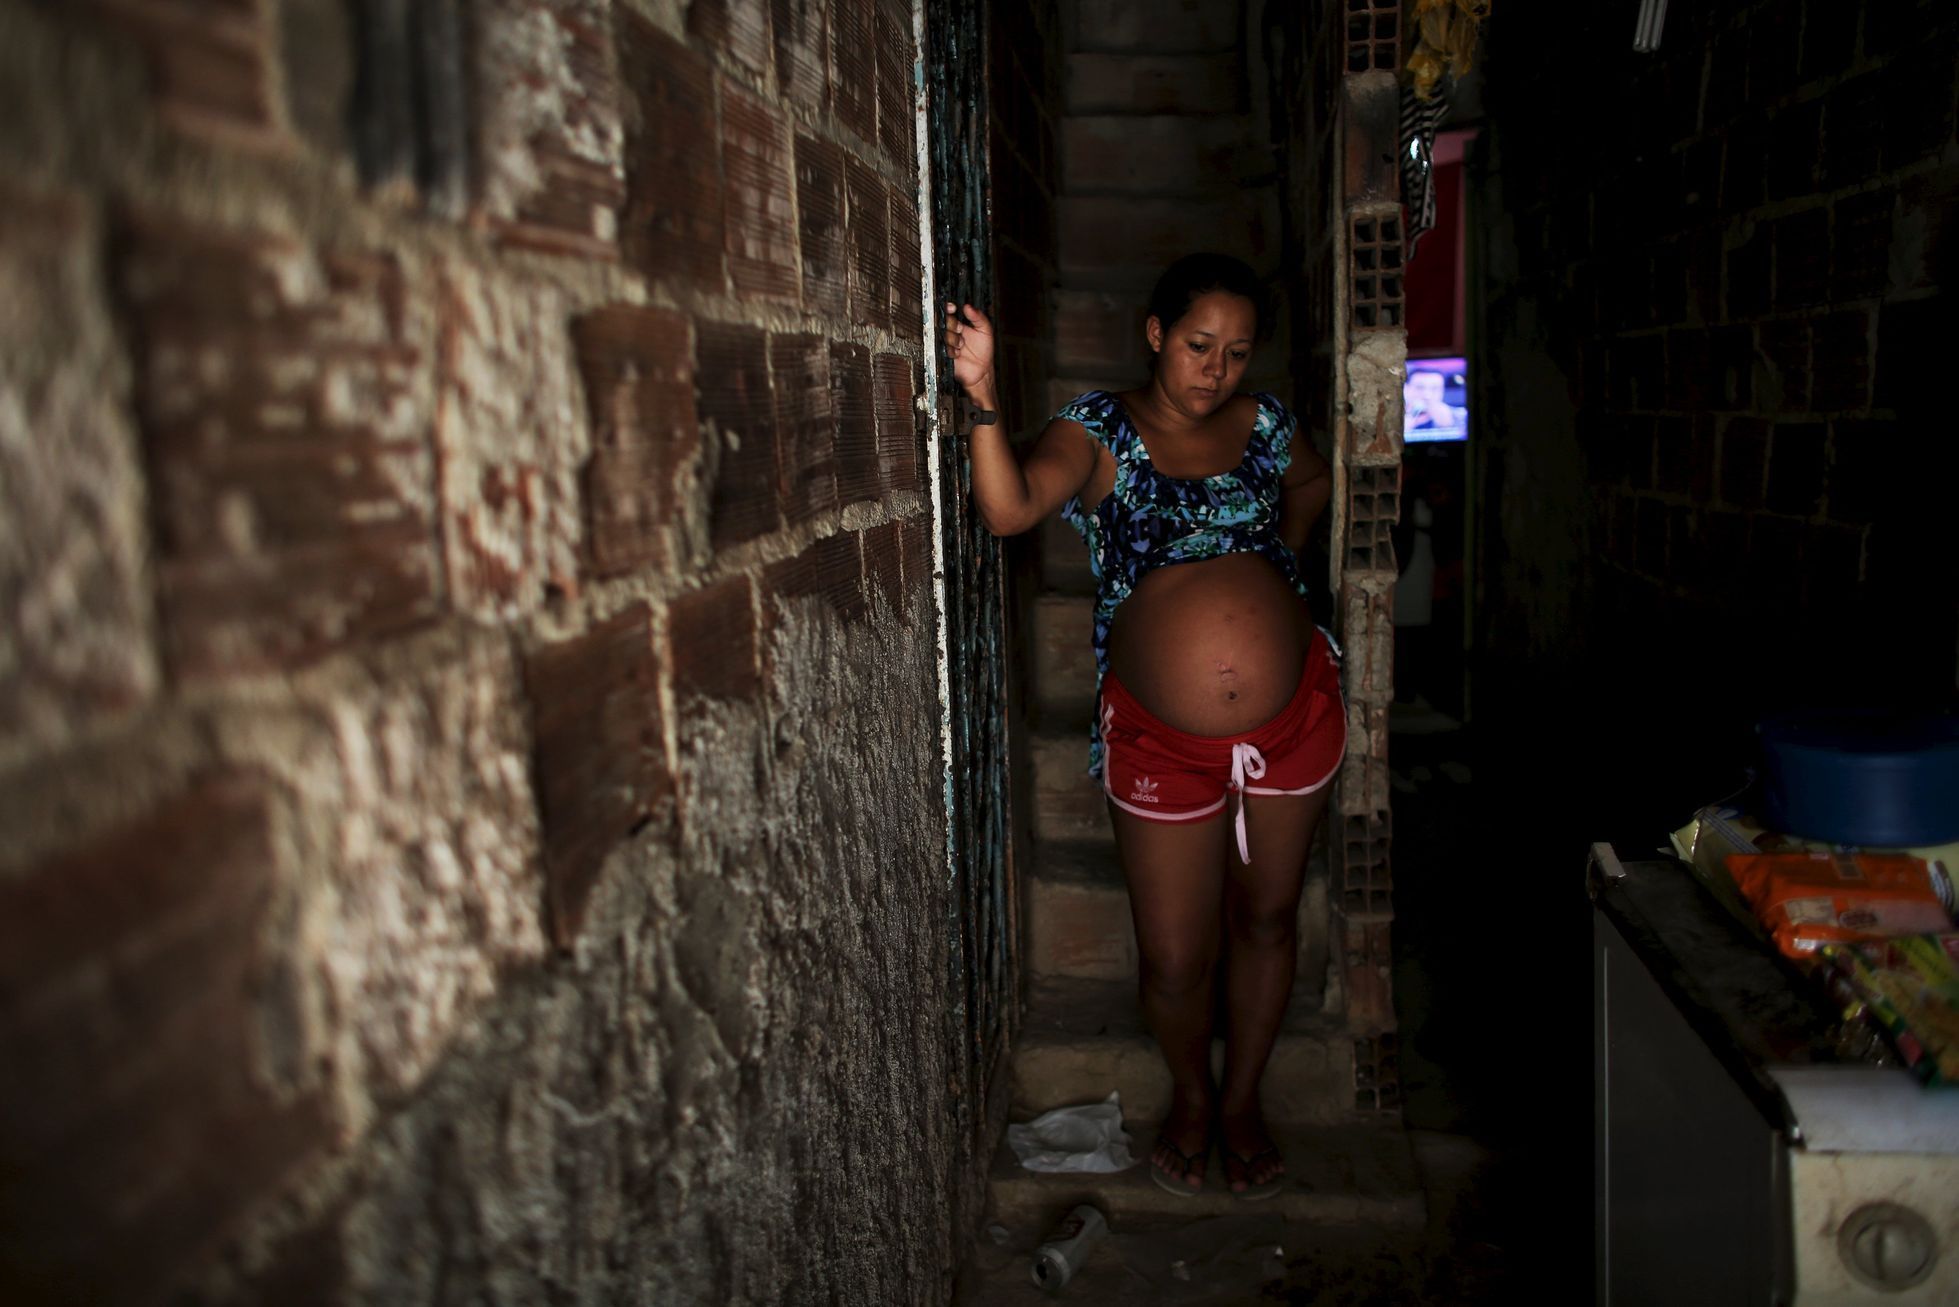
1086	1137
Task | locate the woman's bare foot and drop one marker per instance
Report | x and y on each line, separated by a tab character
1252	1164
1183	1146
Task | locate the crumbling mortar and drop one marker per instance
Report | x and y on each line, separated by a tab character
317	203
303	197
62	368
525	51
115	775
670	16
600	598
282	722
80	136
340	753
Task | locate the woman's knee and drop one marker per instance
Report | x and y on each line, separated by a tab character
1173	972
1262	923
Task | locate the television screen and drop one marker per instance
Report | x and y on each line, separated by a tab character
1435	400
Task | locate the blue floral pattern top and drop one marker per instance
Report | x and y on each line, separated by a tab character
1149	520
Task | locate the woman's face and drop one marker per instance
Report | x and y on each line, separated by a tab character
1201	356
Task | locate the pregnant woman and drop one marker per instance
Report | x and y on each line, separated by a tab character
1218	724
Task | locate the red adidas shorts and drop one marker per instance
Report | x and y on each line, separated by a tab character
1160	773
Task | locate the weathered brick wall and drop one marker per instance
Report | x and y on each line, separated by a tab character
468	724
1713	456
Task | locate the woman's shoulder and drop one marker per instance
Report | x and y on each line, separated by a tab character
1098	411
1272	431
1272	409
1274	420
1091	405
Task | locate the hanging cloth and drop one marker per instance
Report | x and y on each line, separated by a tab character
1419	119
1442	49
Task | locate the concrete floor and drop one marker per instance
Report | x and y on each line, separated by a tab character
1492	989
1253	1256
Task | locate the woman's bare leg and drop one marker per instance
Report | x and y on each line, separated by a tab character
1176	884
1261	921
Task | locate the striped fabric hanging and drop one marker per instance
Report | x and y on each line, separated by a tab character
1419	119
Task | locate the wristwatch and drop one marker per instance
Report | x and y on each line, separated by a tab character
984	417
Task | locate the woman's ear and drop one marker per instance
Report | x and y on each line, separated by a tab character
1153	333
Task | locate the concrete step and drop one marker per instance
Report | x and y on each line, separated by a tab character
1100	333
1068	803
1119	243
1079	924
1099	345
1245	1255
1162	154
1064	652
1347	1174
1064	560
1063	390
1155	83
1154	27
1078	920
1085	1038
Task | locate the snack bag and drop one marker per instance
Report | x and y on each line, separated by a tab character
1807	899
1910	987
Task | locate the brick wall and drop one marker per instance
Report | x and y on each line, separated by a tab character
468	715
1711	446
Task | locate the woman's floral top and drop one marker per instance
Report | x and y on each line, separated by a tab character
1150	520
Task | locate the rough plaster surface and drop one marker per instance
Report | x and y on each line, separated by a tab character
735	1086
510	438
283	397
411	858
1376	369
735	1089
552	65
76	637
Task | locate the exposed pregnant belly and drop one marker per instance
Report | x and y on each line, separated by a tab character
1213	647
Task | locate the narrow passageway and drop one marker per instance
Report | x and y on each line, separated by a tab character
525	778
1170	141
1694	338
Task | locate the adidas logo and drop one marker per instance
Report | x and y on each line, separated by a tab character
1145	791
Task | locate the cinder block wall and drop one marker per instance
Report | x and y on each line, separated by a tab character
468	729
1333	94
1713	451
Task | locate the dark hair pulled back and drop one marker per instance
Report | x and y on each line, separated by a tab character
1199	274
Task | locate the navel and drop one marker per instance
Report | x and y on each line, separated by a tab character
1227	675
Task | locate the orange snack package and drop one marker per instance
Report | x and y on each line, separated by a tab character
1807	899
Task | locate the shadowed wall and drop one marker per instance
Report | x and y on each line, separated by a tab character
468	705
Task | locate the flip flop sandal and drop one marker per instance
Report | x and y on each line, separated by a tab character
1253	1193
1178	1184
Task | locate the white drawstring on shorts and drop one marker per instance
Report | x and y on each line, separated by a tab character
1247	763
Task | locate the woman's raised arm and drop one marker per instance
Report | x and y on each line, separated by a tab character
1012	495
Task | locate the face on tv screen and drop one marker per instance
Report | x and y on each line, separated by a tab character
1435	400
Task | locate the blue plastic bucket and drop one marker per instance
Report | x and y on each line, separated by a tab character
1872	779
